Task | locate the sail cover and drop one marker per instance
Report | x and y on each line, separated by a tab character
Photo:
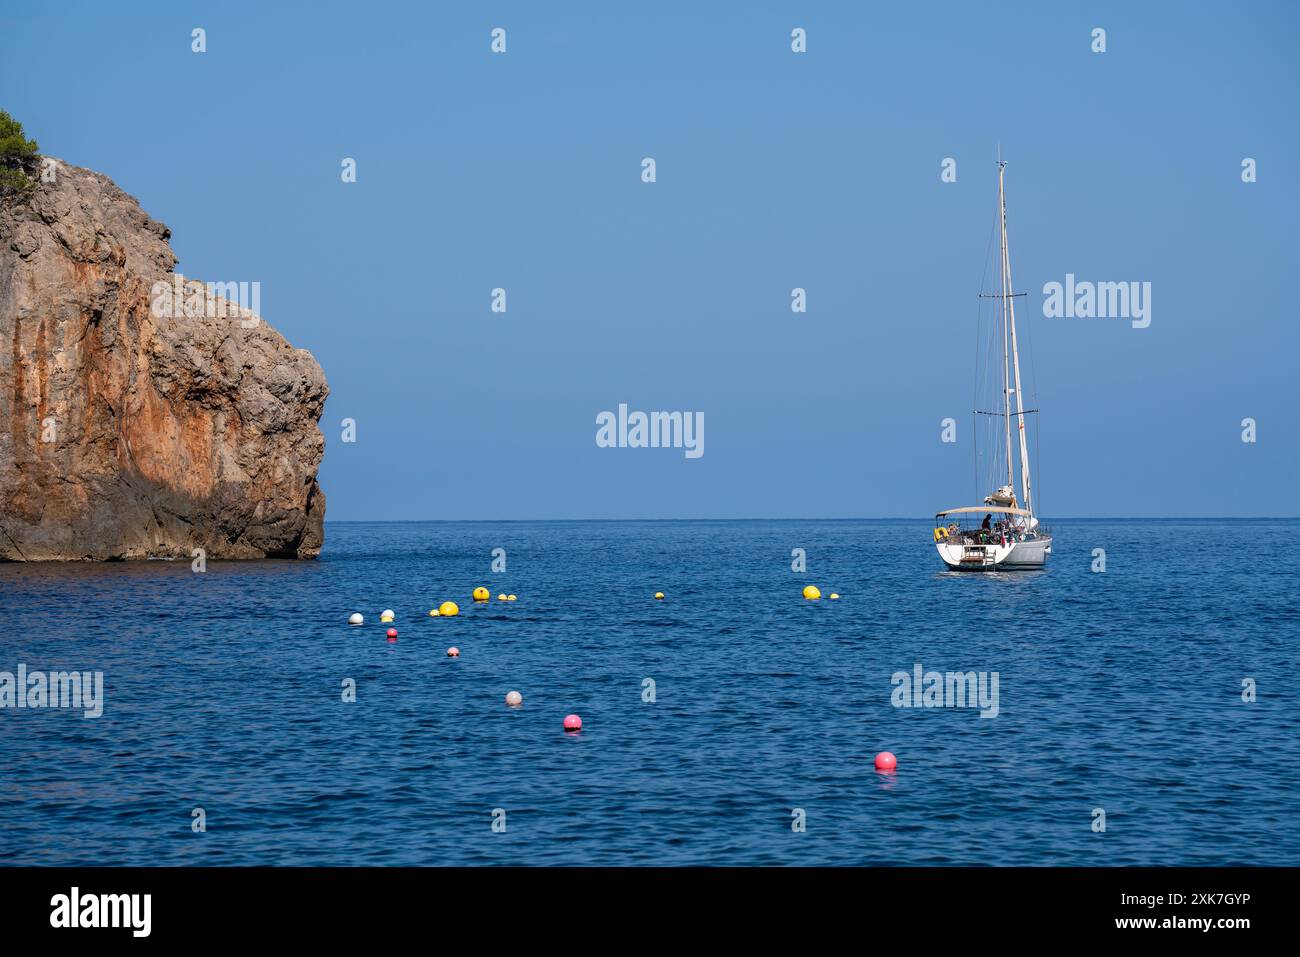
984	508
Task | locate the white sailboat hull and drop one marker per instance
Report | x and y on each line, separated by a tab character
1031	553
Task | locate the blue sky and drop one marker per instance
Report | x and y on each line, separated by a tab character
775	170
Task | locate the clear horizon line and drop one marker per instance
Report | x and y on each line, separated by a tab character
884	518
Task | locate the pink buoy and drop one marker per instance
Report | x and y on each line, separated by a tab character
572	723
514	699
885	761
392	634
453	652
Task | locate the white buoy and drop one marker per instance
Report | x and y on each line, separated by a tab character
356	619
387	615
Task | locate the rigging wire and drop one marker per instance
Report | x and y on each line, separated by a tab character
1033	395
985	377
986	336
975	403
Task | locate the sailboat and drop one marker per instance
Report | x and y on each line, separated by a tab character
1010	535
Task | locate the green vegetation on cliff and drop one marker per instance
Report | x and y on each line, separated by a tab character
17	155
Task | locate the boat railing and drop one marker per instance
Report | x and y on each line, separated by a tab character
994	535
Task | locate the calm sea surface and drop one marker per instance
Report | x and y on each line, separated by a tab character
223	691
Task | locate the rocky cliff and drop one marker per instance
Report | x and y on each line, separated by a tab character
139	416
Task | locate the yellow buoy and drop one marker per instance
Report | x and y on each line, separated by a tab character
812	592
434	613
834	596
512	598
448	609
659	596
481	594
502	598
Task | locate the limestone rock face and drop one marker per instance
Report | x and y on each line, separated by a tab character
135	424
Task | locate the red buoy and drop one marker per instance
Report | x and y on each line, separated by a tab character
572	723
392	634
885	761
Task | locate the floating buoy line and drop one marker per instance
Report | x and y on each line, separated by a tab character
885	760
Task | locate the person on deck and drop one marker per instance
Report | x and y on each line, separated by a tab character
987	520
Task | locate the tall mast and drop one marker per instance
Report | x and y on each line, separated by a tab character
1006	342
1026	488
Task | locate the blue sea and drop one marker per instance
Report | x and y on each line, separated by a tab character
1119	691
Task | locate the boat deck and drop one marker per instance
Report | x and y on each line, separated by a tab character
995	535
